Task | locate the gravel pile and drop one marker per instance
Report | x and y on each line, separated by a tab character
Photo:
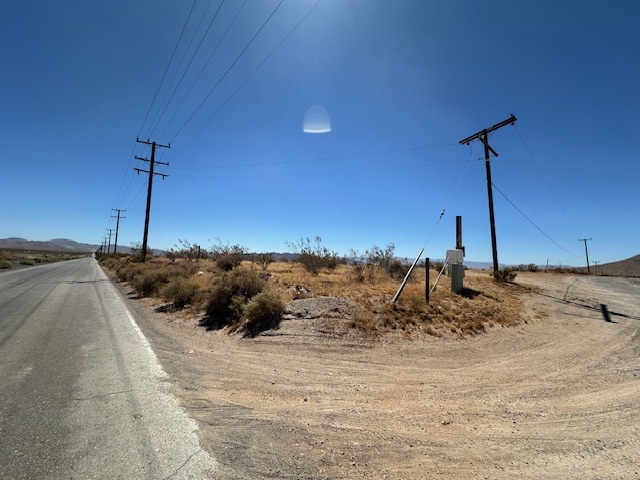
320	307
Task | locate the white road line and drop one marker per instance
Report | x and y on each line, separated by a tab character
145	343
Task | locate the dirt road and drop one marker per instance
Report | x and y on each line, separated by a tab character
556	397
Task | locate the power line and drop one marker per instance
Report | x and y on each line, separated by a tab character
544	179
249	77
314	174
532	223
215	15
319	159
178	68
128	171
184	27
215	49
228	69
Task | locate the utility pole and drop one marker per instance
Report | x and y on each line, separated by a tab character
483	136
586	251
115	245
151	173
596	263
109	245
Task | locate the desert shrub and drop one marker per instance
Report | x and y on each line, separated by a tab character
314	257
438	266
28	261
149	281
127	271
226	262
264	259
507	274
397	269
532	267
263	311
180	291
228	295
382	258
361	267
231	255
5	265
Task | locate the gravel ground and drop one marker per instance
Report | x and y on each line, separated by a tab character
555	397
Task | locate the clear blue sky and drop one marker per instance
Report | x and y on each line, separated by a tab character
402	82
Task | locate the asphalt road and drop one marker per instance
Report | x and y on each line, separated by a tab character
82	394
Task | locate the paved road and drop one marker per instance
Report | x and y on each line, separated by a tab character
81	392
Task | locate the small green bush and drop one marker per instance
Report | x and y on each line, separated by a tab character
226	262
506	275
149	282
5	265
28	261
262	312
228	295
179	291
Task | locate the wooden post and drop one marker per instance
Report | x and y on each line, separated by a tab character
426	282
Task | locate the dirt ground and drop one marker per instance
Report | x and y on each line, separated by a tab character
555	397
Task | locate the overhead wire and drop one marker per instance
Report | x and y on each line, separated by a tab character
193	84
318	159
533	223
184	73
178	68
545	179
228	70
121	194
164	75
248	78
314	174
455	189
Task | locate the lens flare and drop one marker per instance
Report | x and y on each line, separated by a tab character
316	120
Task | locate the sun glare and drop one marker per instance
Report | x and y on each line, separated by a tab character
316	120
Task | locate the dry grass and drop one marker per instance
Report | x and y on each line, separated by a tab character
482	304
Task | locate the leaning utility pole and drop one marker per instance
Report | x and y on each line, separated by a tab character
586	251
115	245
483	136
109	246
151	173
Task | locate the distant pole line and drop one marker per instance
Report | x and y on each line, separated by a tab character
483	136
151	173
110	230
586	251
119	210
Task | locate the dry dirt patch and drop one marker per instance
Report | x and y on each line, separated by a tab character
556	397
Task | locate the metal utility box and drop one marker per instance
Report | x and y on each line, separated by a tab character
456	269
455	257
457	275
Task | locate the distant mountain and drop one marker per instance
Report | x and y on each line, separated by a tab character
56	245
624	268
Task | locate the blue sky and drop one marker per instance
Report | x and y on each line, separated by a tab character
401	82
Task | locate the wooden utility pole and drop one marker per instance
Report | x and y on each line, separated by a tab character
586	251
483	136
151	173
109	245
115	245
